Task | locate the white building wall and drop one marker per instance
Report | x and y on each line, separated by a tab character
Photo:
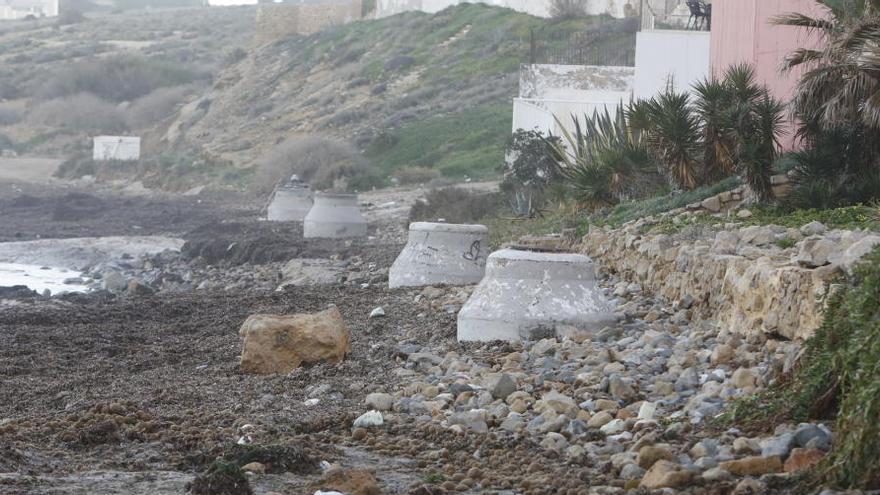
552	96
681	57
124	148
19	9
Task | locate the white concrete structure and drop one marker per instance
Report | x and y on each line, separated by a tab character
551	92
439	253
125	148
663	56
540	8
290	203
20	9
527	295
334	216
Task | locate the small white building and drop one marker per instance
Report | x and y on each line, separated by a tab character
21	9
124	148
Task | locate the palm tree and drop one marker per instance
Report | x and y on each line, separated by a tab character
837	99
841	85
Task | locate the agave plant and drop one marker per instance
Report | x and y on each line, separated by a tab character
603	161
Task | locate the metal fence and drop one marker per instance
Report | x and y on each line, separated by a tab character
611	43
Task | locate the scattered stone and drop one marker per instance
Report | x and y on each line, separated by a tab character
600	419
613	427
379	401
280	344
650	454
753	466
803	459
750	486
474	420
501	385
716	474
778	446
665	474
812	436
254	467
377	313
350	481
369	419
813	228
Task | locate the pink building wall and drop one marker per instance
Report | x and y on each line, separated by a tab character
742	31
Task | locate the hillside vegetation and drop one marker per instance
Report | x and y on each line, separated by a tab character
124	72
412	90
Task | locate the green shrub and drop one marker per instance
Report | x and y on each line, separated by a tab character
79	113
150	109
531	169
118	78
839	376
326	164
416	175
454	205
9	115
222	478
568	9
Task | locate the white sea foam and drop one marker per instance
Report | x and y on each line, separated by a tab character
39	278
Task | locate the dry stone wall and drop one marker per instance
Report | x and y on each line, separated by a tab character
738	277
279	21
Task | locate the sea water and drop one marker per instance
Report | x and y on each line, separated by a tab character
39	278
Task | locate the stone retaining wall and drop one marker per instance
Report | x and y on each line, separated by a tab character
741	278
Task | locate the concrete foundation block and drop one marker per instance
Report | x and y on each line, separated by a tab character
291	203
334	216
438	253
526	295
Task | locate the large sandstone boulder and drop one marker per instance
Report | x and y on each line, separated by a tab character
280	344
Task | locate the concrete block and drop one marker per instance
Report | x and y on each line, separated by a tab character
334	216
438	253
527	295
291	203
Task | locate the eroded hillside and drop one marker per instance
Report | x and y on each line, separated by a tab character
409	90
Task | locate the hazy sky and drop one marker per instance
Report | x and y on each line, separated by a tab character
232	2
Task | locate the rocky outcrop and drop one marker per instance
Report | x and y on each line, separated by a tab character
758	279
280	344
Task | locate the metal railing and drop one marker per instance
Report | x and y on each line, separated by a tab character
610	43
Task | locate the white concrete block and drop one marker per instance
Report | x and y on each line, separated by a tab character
334	216
438	253
526	295
291	203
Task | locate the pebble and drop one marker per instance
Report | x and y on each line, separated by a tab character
369	419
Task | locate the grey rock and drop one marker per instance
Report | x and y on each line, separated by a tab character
780	445
631	472
812	436
379	401
472	420
621	389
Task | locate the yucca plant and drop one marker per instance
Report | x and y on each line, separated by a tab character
711	104
672	131
603	161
